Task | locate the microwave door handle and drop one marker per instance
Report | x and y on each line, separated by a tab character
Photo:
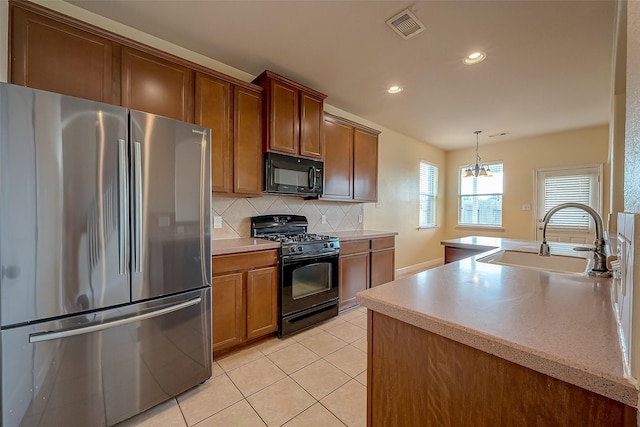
312	177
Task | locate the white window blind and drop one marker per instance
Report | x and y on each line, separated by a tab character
428	194
568	189
480	199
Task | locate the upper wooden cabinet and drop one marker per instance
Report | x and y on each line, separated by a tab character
365	165
233	113
156	85
53	56
350	160
293	116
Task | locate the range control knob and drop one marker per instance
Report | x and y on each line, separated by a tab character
326	245
331	244
292	249
299	248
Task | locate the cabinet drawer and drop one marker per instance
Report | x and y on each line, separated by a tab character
244	261
354	246
382	243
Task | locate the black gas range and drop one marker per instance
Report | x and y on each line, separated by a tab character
309	271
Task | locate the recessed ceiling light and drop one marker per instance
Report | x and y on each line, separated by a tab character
474	58
394	89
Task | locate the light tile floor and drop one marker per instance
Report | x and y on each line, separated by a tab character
314	378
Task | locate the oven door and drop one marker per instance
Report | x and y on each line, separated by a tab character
308	282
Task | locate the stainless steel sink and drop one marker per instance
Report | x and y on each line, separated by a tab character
533	261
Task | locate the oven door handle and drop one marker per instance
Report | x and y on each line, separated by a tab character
287	260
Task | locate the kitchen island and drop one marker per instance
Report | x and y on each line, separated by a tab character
472	343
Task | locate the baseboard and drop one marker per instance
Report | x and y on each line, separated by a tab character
416	268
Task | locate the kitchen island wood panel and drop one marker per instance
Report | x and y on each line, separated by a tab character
418	378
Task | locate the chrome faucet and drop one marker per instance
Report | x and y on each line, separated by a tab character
599	255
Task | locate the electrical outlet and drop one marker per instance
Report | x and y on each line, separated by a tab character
359	219
323	219
217	221
526	207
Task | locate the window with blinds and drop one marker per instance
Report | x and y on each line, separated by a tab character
428	194
480	199
573	188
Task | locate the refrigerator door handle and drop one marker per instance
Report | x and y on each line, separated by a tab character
123	219
203	194
137	171
48	336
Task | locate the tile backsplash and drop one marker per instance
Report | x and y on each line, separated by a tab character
236	213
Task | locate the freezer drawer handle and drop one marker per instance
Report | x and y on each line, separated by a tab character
47	336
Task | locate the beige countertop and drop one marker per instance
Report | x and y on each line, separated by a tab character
560	325
361	234
234	246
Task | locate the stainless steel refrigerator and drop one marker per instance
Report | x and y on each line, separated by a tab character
105	257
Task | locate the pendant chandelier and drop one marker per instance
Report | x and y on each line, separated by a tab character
477	170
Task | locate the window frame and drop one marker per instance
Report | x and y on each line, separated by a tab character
594	170
461	170
434	195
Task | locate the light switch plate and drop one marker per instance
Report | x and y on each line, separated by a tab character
359	219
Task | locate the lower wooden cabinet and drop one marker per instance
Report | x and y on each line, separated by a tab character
354	271
244	300
365	263
383	256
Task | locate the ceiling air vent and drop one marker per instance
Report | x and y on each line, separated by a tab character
406	24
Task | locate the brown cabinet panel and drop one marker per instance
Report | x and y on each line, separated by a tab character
227	311
247	135
383	243
456	254
284	120
213	108
456	385
52	56
338	160
243	261
262	301
156	85
245	297
365	166
354	246
382	266
293	116
311	126
354	277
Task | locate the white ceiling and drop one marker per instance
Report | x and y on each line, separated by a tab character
548	63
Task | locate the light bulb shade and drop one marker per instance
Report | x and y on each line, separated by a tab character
468	173
483	172
489	172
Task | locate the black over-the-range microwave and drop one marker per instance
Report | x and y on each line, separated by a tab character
293	175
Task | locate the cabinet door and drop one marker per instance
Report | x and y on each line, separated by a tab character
49	55
365	166
214	110
311	126
157	86
354	277
247	135
338	160
284	120
262	301
227	311
382	266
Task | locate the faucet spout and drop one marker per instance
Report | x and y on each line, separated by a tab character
599	256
